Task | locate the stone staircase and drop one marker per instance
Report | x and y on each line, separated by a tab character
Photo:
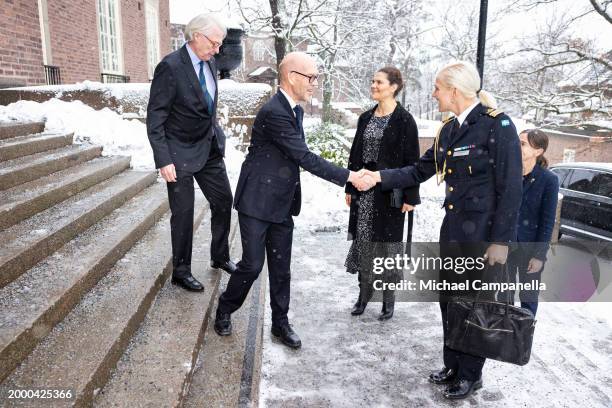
85	300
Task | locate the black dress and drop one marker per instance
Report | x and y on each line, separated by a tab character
362	241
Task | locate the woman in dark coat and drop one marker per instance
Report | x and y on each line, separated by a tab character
536	216
386	138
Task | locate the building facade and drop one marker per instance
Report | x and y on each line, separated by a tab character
61	41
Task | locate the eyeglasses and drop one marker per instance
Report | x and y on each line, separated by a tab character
311	78
215	44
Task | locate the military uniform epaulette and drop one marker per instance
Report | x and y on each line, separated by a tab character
445	121
494	112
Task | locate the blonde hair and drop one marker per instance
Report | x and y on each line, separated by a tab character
203	23
464	76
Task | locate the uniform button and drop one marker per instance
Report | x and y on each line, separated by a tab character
450	189
450	207
449	153
449	171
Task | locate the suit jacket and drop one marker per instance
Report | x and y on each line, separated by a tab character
399	147
483	172
179	126
538	210
269	183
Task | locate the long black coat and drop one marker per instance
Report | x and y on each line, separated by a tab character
399	147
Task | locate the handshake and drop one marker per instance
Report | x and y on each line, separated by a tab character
363	179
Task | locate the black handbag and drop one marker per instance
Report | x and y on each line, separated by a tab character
490	329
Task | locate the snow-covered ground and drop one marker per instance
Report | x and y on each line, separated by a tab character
348	361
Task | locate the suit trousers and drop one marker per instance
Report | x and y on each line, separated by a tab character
260	239
213	182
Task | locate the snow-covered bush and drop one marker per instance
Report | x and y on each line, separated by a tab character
325	140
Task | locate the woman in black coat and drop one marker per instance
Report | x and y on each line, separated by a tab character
386	138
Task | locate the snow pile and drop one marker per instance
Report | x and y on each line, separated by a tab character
242	98
116	90
101	127
134	96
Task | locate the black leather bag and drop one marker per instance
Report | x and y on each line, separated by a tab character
490	329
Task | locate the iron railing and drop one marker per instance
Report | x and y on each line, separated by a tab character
114	78
52	75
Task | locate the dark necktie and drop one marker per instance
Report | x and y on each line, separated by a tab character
207	99
299	116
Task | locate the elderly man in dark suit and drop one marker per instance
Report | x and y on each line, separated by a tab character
268	195
188	144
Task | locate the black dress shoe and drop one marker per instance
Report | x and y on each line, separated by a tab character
223	324
287	336
387	311
189	283
462	389
444	376
227	266
358	307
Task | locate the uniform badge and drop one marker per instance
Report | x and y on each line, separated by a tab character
505	123
463	150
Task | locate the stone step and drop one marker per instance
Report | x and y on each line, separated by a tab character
10	129
23	201
80	352
28	168
157	366
40	298
228	370
27	243
27	145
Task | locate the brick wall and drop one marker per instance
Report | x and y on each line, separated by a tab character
164	27
21	55
135	40
586	149
75	49
133	23
74	39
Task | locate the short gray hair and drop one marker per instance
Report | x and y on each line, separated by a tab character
203	23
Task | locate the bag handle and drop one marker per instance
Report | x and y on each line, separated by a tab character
506	273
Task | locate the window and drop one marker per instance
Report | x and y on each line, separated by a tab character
580	180
110	40
176	43
602	184
152	13
259	50
561	174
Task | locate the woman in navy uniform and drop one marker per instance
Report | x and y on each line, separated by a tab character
477	153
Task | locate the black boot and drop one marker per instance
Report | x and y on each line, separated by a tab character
362	300
388	305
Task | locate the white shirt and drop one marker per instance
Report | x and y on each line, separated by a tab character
289	99
465	113
210	80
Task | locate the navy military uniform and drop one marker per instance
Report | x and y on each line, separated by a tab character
481	164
